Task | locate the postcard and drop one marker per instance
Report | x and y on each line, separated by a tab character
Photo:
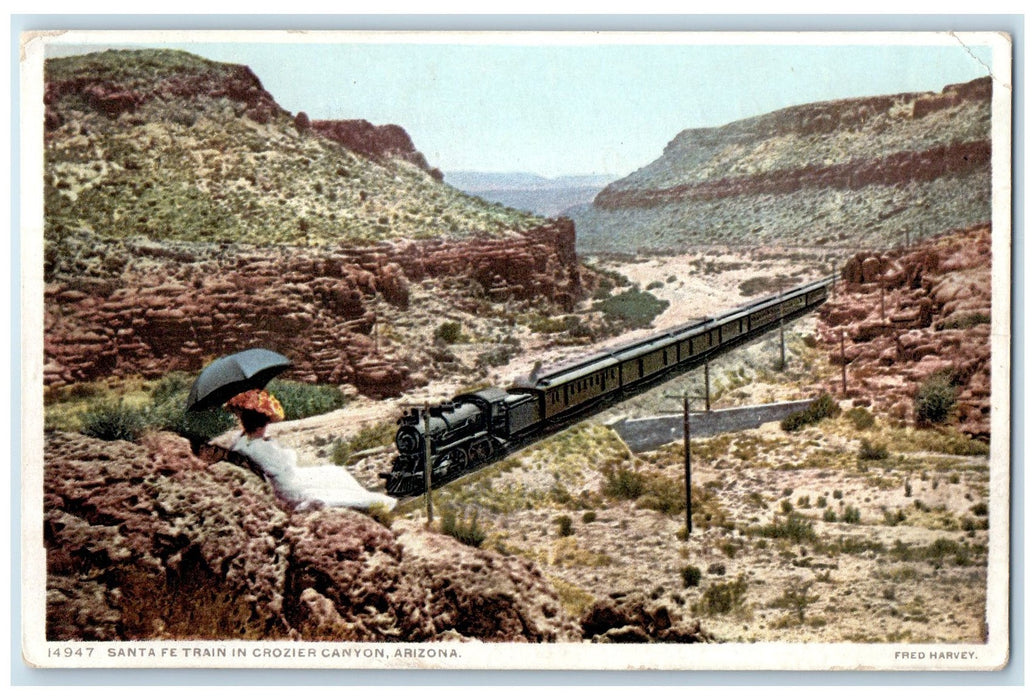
516	350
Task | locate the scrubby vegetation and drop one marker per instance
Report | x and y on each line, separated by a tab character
822	407
462	529
372	436
935	400
125	411
631	308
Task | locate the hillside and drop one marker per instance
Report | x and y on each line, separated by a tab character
170	146
853	172
188	215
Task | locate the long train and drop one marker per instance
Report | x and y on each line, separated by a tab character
477	428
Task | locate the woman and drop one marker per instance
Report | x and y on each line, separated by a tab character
302	488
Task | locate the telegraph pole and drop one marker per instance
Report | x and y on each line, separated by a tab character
687	471
427	461
707	388
844	366
686	460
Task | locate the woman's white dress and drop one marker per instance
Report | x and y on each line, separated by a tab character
307	487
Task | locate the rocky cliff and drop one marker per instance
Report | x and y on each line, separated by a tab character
145	541
137	308
911	314
385	141
868	170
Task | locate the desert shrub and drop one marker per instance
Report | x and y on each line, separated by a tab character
822	407
909	489
803	501
869	451
838	494
794	527
935	400
663	495
851	515
860	418
301	400
830	515
463	530
722	598
377	435
631	308
623	483
979	509
893	518
717	569
786	507
691	576
821	502
796	597
380	513
589	516
448	332
113	420
564	528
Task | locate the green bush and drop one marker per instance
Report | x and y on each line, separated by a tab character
463	530
448	332
589	516
851	515
872	451
861	418
794	527
113	420
631	308
691	576
830	515
935	401
301	400
822	407
722	598
623	483
662	494
564	528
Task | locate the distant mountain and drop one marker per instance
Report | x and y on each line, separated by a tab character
529	192
867	171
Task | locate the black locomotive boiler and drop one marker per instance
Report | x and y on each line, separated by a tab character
476	428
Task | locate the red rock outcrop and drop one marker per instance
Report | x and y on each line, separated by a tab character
175	307
912	313
377	142
112	95
146	542
896	169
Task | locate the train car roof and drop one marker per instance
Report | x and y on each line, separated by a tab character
566	371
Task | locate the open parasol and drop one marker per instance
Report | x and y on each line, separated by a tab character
230	375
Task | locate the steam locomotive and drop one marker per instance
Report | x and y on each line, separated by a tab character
479	427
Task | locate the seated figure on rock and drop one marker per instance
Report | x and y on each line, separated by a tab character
302	488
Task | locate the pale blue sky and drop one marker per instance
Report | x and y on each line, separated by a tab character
573	109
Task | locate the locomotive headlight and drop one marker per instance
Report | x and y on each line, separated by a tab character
408	440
